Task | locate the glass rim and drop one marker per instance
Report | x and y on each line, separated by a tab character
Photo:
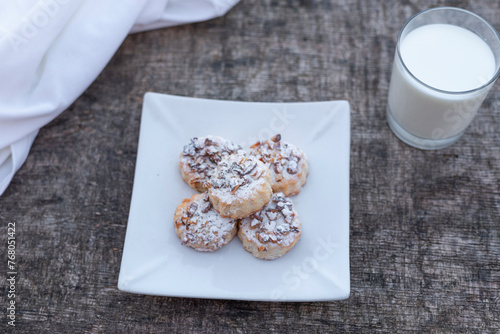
398	52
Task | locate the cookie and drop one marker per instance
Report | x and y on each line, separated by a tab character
288	164
199	226
239	186
273	231
199	158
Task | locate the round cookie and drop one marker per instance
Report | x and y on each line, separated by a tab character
199	226
199	158
288	164
273	231
239	186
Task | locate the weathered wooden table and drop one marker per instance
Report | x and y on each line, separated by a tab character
424	225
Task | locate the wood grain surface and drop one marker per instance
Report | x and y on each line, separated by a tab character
424	225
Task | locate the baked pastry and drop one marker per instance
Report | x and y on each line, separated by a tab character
239	186
199	158
288	164
273	231
199	226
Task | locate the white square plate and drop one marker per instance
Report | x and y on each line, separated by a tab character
317	268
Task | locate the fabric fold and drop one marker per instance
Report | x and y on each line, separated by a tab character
52	50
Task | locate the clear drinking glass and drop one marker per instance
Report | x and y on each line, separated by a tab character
421	110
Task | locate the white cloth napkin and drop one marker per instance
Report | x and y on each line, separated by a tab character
52	50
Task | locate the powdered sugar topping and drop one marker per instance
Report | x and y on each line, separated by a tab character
281	157
277	222
202	225
202	154
237	176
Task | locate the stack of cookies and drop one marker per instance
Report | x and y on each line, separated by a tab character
242	192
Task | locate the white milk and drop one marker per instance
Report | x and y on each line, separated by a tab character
447	58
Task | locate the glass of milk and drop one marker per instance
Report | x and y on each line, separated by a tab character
446	61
